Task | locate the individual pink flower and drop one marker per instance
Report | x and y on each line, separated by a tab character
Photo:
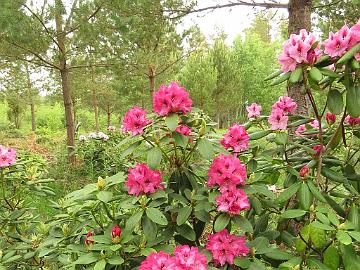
285	104
227	172
224	247
300	130
254	110
318	148
183	129
348	119
233	201
189	258
304	171
314	124
142	179
87	241
158	261
330	118
299	49
278	120
134	121
171	99
236	138
7	156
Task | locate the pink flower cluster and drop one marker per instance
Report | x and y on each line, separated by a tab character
224	247
142	179
227	172
280	109
171	99
183	129
340	42
299	49
7	156
254	110
134	121
349	120
236	138
185	258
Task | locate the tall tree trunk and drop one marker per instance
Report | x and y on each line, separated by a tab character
65	83
108	112
152	75
94	100
33	117
299	18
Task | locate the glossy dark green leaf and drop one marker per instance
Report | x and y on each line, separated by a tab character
242	223
221	222
332	257
157	216
154	157
305	196
293	213
281	79
296	75
183	215
206	149
315	74
353	101
335	101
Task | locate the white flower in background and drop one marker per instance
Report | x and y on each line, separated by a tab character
82	138
92	135
111	128
103	136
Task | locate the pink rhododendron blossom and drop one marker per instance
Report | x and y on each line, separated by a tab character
349	120
134	121
298	49
300	130
142	179
87	241
171	99
254	110
233	201
285	104
158	261
278	120
183	129
304	171
318	148
224	247
330	118
236	138
189	258
7	156
227	172
314	124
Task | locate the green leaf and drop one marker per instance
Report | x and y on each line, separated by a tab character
296	75
87	258
293	213
325	227
221	222
322	218
350	54
314	190
133	221
332	258
355	235
353	101
316	264
318	237
305	197
315	74
281	79
350	259
243	223
116	260
333	218
100	265
329	73
130	149
102	239
172	121
154	157
288	193
156	216
259	134
332	175
105	196
150	228
180	139
187	232
206	149
279	255
183	215
335	101
343	237
273	75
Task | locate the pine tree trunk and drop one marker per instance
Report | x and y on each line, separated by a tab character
94	100
33	117
108	118
152	74
299	18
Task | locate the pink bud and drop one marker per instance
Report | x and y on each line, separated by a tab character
330	118
318	148
87	241
304	171
116	231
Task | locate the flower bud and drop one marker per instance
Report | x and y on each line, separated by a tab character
87	241
304	171
312	208
100	183
297	267
330	118
116	234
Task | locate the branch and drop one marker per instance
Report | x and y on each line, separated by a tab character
228	5
43	24
174	62
92	65
67	23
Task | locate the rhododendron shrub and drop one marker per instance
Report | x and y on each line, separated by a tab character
280	191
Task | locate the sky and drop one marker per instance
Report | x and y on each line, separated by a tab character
233	21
